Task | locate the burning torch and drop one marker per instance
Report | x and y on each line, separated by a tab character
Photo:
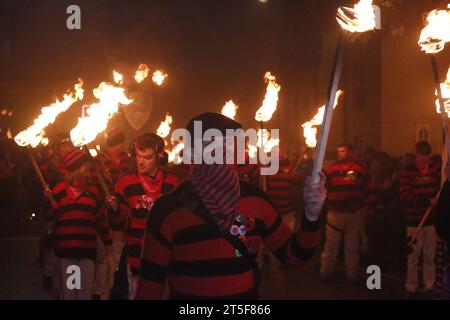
34	135
265	112
432	41
229	109
360	18
96	120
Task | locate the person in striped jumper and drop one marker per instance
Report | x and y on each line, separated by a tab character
203	237
77	207
134	196
348	186
420	182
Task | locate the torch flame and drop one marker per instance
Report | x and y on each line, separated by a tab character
34	134
159	77
445	88
164	128
118	77
437	31
93	152
309	130
98	114
359	19
141	73
45	141
9	134
269	105
174	154
264	141
229	109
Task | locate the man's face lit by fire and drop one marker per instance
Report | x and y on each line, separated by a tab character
147	161
343	154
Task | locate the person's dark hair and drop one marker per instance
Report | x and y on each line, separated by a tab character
346	145
423	148
149	141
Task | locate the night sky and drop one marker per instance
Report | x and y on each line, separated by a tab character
213	51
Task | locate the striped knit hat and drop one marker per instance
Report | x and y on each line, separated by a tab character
74	159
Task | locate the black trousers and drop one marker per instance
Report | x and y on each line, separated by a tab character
119	290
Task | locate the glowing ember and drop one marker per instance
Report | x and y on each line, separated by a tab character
229	109
97	147
141	73
34	134
164	128
4	112
159	77
309	128
437	31
9	134
445	87
269	105
45	141
98	114
118	78
10	113
93	152
359	19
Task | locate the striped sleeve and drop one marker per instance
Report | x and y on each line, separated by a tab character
155	258
118	218
407	195
294	249
103	228
50	211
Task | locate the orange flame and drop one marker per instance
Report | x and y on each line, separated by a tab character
141	73
118	77
437	31
445	88
159	77
269	105
309	127
359	19
174	154
264	141
34	134
93	152
164	128
9	134
98	114
229	109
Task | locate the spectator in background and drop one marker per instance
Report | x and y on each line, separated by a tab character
77	208
420	181
280	189
385	226
347	187
369	155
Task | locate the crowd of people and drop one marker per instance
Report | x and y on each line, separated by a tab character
164	231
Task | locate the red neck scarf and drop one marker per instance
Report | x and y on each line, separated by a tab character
217	185
152	185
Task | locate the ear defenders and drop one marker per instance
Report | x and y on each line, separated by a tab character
156	143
